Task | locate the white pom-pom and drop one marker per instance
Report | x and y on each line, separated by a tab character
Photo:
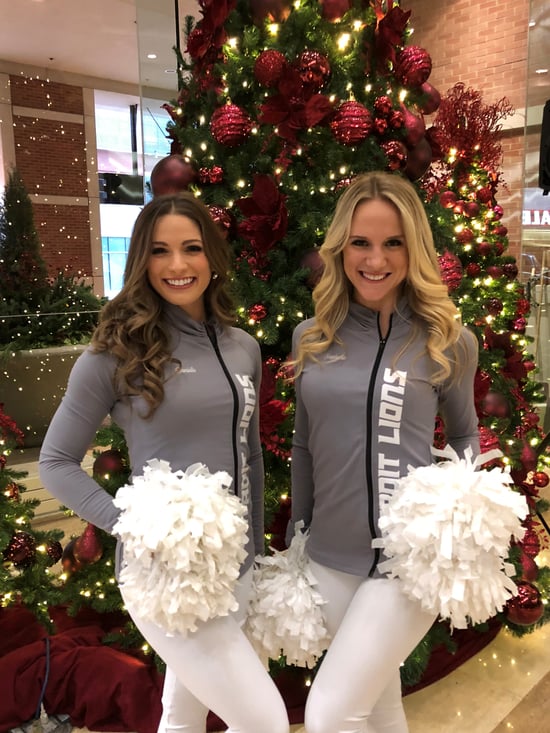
183	538
446	532
285	615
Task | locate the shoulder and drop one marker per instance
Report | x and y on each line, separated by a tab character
93	365
243	338
468	341
303	326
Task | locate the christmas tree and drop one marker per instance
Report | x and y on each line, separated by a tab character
279	106
27	554
36	309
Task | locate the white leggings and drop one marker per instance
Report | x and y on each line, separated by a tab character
217	669
374	627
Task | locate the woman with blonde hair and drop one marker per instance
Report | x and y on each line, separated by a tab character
384	354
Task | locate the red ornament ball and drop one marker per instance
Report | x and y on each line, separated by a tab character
494	306
519	324
450	268
541	479
471	209
484	195
413	66
415	127
351	124
495	271
172	174
333	10
230	125
314	69
21	550
465	236
269	67
11	491
396	153
87	548
54	550
483	248
526	608
69	563
510	270
473	269
211	175
431	98
448	199
383	105
108	462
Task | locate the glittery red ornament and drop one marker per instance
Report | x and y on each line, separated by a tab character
413	66
276	11
510	270
418	160
465	236
473	269
21	550
447	199
530	419
498	211
529	568
494	306
172	174
257	312
396	154
11	491
450	268
211	175
54	550
541	479
352	123
530	543
526	608
519	324
230	125
431	98
471	209
495	271
88	548
333	10
269	66
380	125
500	231
483	248
108	462
314	69
223	218
484	194
488	440
383	105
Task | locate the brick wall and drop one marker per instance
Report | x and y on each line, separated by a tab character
483	44
50	151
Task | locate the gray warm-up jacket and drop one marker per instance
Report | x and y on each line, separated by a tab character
362	419
210	415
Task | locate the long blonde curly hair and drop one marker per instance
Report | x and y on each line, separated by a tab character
131	326
425	292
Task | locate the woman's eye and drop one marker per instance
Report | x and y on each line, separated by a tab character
194	248
158	250
394	242
359	242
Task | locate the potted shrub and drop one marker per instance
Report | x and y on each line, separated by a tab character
45	320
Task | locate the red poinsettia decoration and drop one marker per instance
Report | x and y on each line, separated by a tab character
266	216
10	434
272	413
390	27
296	106
204	44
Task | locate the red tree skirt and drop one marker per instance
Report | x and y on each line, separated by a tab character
105	689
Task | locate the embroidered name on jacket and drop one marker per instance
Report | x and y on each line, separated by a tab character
249	393
389	430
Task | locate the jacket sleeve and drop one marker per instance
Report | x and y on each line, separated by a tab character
457	405
88	399
301	465
256	463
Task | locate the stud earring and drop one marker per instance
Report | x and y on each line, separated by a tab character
214	276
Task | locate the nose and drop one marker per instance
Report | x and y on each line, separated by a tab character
375	256
177	262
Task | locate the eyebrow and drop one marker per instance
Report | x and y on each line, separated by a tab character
185	241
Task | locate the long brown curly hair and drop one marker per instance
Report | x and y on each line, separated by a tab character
131	326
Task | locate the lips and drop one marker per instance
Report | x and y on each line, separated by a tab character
374	278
